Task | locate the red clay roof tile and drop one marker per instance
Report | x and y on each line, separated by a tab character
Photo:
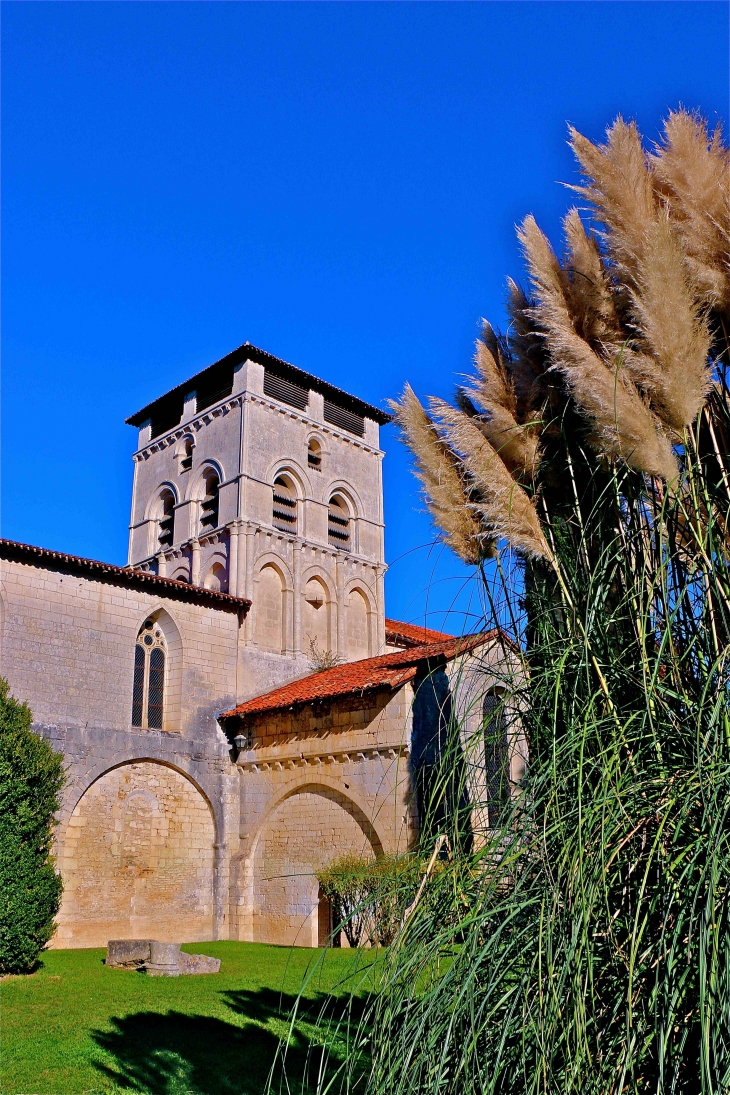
402	634
387	670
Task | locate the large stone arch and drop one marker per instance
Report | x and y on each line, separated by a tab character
306	828
138	859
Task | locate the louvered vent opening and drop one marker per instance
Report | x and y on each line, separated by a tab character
209	506
284	514
213	390
166	417
285	391
338	524
165	536
346	420
314	455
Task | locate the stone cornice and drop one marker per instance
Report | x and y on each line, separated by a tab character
329	756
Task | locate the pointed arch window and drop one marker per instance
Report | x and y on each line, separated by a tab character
148	693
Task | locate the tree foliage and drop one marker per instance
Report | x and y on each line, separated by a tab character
31	778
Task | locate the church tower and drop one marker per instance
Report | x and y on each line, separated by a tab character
258	479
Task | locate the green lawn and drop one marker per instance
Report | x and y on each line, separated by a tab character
77	1027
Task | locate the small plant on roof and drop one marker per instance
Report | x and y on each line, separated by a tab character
321	659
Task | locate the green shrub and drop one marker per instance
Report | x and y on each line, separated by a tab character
369	897
31	777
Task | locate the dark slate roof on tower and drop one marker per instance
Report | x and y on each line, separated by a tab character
217	380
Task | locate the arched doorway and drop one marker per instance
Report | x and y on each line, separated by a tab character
138	860
304	833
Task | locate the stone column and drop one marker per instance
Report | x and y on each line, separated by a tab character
220	889
233	559
161	565
195	564
248	587
380	592
297	613
340	575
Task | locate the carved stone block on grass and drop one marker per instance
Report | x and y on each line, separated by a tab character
157	959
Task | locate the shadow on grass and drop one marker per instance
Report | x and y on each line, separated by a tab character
180	1054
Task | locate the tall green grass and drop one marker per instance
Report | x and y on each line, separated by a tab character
584	944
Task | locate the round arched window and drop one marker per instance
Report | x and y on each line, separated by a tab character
314	454
284	509
338	523
166	529
209	505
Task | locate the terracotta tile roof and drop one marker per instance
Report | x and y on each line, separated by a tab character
120	576
398	633
387	670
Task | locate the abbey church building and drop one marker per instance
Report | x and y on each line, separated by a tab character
211	771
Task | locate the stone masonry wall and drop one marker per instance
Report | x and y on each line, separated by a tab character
68	649
317	784
138	860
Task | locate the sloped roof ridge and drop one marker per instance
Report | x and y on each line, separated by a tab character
279	366
110	572
414	633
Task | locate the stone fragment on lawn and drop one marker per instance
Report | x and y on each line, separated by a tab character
198	963
164	959
157	959
127	954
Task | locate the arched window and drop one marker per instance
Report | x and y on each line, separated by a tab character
496	756
216	578
209	505
166	530
338	523
148	694
186	455
314	454
284	513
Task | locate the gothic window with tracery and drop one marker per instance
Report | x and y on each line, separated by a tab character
148	694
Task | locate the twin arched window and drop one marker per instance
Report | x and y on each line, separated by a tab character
148	693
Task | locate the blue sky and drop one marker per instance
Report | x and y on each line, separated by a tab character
337	183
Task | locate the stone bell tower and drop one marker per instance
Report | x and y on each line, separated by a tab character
258	479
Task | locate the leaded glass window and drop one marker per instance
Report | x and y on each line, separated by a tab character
148	693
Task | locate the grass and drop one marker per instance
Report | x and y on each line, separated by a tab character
77	1027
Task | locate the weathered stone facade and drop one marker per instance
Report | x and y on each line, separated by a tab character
168	830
